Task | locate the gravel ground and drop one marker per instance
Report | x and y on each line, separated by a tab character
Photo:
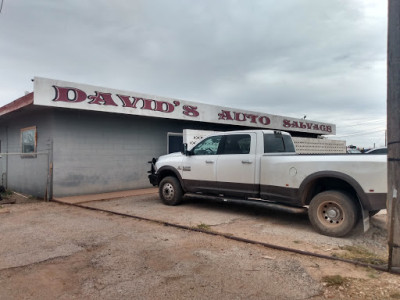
53	251
252	222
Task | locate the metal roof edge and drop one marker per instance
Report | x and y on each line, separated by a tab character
17	104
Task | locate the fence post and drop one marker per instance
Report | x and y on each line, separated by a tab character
49	183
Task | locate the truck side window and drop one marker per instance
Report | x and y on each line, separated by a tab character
275	143
289	145
236	144
208	146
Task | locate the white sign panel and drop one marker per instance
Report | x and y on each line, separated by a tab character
192	137
48	92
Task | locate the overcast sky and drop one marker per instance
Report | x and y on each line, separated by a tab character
322	59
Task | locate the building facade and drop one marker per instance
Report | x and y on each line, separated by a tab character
71	139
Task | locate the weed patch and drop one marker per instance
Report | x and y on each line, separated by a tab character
334	280
395	296
360	254
203	226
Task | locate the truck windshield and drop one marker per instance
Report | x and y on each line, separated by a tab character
276	143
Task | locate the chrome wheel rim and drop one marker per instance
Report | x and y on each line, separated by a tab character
168	191
331	213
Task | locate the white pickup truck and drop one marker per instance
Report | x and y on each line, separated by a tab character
262	166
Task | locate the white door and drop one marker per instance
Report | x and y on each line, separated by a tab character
199	168
236	165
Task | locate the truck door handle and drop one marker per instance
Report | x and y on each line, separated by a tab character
209	161
247	162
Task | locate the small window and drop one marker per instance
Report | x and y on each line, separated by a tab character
208	146
236	144
175	142
28	140
276	143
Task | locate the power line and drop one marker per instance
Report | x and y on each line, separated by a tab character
366	122
361	119
359	133
361	130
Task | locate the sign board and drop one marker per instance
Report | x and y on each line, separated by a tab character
56	93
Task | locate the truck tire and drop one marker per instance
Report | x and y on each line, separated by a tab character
333	213
170	191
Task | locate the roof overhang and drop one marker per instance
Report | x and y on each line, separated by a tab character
17	104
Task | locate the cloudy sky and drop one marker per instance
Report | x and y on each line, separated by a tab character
322	59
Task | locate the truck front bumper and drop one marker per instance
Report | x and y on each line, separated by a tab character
153	177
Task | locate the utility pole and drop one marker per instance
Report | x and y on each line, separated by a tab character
393	134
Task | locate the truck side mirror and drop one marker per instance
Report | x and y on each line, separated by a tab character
185	150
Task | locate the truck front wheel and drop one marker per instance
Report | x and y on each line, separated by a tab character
333	213
170	191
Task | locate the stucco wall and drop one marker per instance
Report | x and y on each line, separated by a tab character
101	152
25	174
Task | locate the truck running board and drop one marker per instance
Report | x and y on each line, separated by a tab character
252	201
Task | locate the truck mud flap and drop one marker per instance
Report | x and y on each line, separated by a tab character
365	217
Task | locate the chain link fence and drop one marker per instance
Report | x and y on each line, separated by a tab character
28	173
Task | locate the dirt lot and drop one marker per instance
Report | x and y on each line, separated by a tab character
49	250
252	222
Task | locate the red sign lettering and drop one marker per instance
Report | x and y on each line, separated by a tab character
69	94
75	95
307	125
190	110
225	115
102	99
125	100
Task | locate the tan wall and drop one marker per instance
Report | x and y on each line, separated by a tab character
318	146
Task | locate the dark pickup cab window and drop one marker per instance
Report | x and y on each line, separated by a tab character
276	143
235	144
